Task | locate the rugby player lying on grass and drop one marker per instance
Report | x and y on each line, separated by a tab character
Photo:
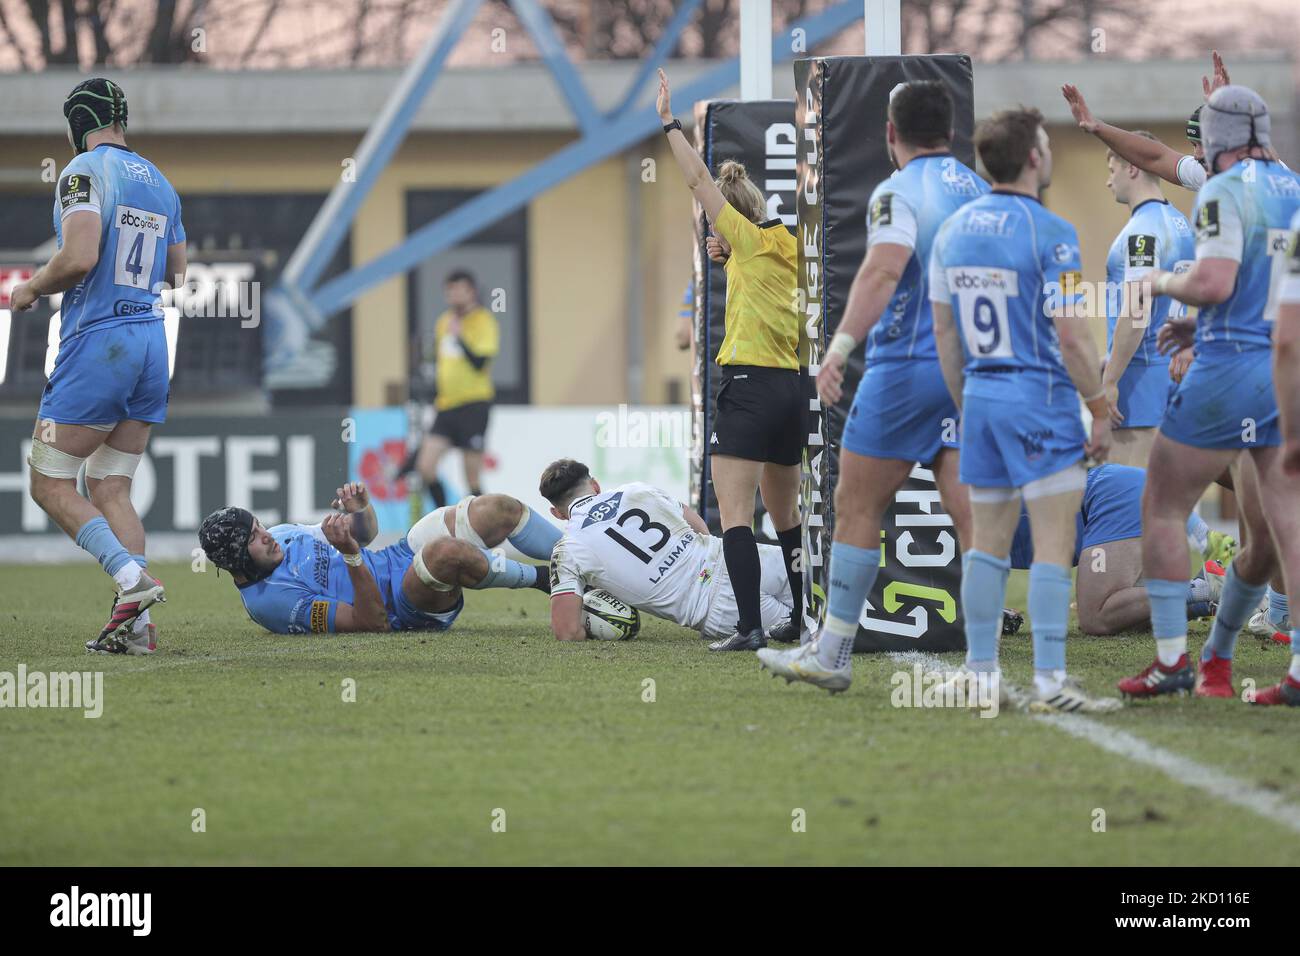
1109	593
299	579
650	550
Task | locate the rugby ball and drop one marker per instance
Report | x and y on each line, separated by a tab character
606	618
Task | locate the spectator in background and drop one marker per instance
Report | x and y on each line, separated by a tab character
466	338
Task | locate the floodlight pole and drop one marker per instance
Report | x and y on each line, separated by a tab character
883	22
755	49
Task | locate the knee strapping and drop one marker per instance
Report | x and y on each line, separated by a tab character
424	574
429	528
993	496
105	461
464	530
52	463
1071	478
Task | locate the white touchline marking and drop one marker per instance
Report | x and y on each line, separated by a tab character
1216	783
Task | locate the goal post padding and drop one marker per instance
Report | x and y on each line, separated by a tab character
761	135
840	115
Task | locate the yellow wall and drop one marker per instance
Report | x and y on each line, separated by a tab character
577	243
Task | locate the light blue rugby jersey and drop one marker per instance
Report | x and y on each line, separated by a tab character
1244	214
302	595
1156	236
1004	262
140	216
907	209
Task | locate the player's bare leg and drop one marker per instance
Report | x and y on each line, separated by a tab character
109	474
1131	446
486	521
443	567
1108	588
1245	582
995	513
779	487
1052	523
54	486
954	496
58	452
1279	496
1177	477
735	482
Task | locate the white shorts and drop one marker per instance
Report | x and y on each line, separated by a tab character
774	600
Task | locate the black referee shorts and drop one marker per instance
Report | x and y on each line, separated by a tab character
464	426
760	415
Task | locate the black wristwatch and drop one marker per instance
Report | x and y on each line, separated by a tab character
675	124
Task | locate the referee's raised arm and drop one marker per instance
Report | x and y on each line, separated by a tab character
756	442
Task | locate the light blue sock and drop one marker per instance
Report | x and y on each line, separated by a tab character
97	538
1198	531
852	575
983	591
1278	608
141	560
537	539
1235	604
505	572
1049	614
1168	608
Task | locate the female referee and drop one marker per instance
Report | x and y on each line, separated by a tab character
758	431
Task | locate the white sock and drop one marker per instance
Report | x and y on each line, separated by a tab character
1048	683
1295	667
141	623
128	576
835	646
1169	649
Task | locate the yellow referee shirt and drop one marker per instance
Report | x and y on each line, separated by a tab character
762	321
459	382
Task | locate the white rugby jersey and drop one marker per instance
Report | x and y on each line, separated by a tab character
634	542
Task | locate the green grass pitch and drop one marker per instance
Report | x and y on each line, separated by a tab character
495	721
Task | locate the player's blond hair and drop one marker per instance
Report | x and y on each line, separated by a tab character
1145	134
740	192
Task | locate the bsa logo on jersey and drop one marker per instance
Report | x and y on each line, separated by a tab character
1207	220
1285	186
882	211
140	172
1142	251
980	222
604	510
